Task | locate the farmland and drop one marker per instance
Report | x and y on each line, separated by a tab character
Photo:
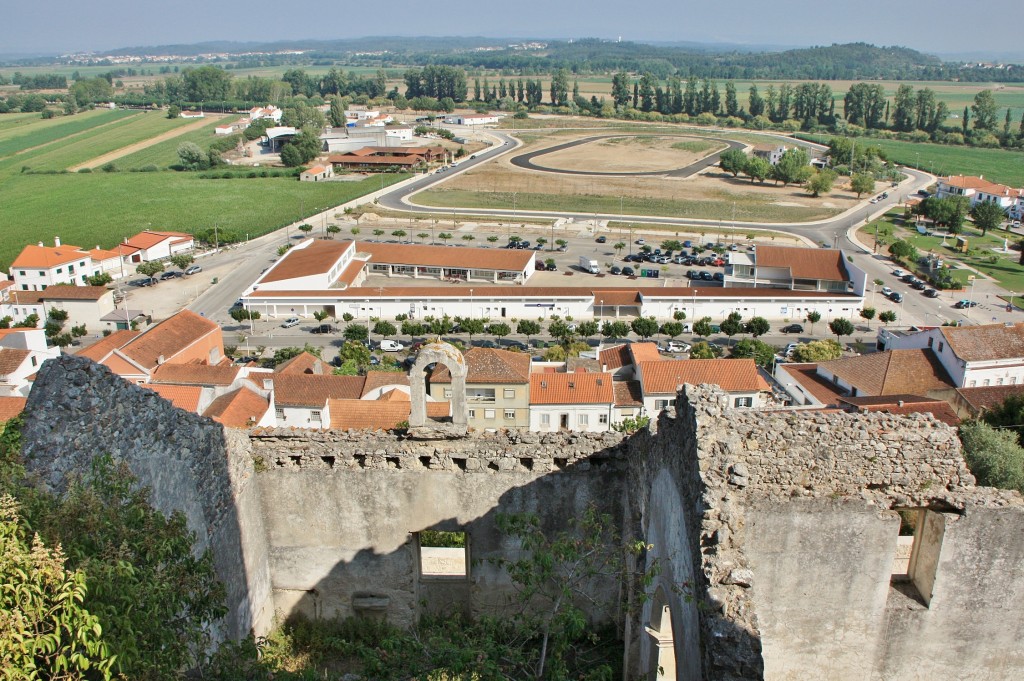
101	208
164	154
997	165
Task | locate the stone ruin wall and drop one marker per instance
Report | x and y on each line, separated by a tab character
773	532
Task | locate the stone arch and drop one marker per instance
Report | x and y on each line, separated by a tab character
441	353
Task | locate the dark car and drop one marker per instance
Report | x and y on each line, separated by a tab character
484	343
896	297
908	278
601	239
148	281
323	328
692	274
718	276
615	270
552	267
628	271
705	275
918	285
792	328
518	345
539	266
932	293
964	304
170	275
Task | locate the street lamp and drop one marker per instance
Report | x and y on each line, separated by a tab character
471	303
601	308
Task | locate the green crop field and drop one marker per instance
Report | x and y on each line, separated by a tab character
102	208
38	132
164	154
998	165
102	141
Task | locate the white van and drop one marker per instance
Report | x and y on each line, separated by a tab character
391	346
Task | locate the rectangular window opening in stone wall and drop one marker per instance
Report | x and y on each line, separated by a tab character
443	555
917	554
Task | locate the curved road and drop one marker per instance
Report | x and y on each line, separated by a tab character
525	161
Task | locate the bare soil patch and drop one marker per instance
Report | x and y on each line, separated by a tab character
631	154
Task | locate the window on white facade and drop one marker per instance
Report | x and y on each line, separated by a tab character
488	413
663	404
1013	380
942	346
472	413
972	384
279	414
447	393
999	381
743	402
510	393
986	382
545	419
582	419
315	416
602	418
510	413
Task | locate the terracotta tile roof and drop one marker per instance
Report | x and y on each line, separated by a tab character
513	260
148	238
48	256
616	297
11	407
375	160
644	352
577	388
181	396
122	367
379	379
904	405
731	375
315	170
804	263
168	338
615	357
628	394
893	372
351	271
543	292
487	365
67	292
989	397
104	346
806	375
302	363
98	254
377	414
239	408
310	390
394	395
11	360
6	283
316	258
981	184
987	342
195	374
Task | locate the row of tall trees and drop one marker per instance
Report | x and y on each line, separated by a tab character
437	82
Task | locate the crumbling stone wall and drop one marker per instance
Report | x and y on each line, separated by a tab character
78	409
342	508
793	532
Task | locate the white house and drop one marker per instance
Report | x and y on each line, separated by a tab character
979	190
303	400
22	351
973	356
86	305
400	133
270	111
317	173
795	269
660	381
571	401
769	152
472	119
192	114
39	266
150	245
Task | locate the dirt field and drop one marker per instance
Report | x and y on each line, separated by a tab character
713	194
138	146
631	154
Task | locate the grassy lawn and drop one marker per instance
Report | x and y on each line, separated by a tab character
984	251
998	165
712	210
87	147
164	154
28	133
101	208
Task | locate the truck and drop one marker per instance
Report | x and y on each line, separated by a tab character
589	265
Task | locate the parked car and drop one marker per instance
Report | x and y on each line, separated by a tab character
964	304
640	242
323	328
539	266
628	272
173	274
908	278
290	322
792	328
678	346
193	269
932	293
918	285
790	348
705	275
898	272
886	291
388	345
896	297
552	267
615	270
718	276
147	281
601	239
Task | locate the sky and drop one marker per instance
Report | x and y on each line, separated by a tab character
932	26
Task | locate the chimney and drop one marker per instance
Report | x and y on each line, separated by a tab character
56	241
899	403
160	360
40	244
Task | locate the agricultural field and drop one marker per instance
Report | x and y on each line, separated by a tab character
164	154
101	208
998	165
711	195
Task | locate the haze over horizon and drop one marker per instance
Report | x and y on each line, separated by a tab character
102	25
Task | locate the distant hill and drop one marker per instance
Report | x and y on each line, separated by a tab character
340	47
